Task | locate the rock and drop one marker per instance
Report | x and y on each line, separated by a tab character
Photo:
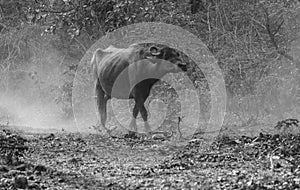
50	137
158	137
20	182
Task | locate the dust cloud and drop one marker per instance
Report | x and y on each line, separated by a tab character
32	117
35	97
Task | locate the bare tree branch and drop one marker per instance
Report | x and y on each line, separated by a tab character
278	28
273	40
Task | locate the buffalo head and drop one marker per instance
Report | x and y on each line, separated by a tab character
168	54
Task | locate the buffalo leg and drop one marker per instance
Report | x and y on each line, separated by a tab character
144	114
101	100
132	125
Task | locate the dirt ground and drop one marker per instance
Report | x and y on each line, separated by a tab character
76	161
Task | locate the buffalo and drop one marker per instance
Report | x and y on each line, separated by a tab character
130	73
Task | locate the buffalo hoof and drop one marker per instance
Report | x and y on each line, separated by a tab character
131	135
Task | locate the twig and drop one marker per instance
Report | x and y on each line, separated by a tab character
178	127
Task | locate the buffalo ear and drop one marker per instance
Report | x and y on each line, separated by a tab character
154	51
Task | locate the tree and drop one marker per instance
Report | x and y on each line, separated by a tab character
249	38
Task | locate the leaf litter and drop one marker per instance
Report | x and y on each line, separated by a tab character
77	161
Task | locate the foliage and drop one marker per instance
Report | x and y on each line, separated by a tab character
286	124
249	38
14	51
